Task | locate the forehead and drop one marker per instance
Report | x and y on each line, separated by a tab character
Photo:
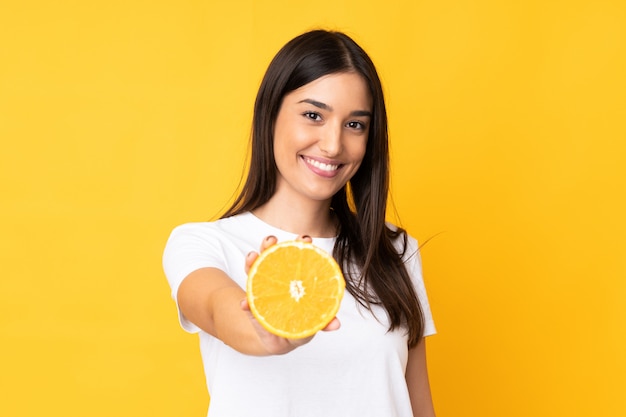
344	90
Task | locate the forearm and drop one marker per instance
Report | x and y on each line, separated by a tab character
418	382
212	301
234	326
216	304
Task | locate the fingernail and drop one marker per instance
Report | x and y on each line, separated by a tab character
269	237
249	254
306	237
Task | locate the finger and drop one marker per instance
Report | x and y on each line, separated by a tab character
250	258
244	305
268	241
334	324
305	238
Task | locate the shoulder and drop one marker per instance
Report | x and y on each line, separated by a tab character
192	246
202	237
241	232
215	229
193	232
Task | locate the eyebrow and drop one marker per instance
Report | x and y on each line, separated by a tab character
324	106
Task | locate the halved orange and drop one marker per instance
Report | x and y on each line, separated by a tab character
294	289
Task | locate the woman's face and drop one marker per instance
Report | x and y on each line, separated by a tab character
320	136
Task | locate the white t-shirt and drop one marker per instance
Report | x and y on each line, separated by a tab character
358	370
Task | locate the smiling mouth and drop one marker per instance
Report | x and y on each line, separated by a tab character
321	165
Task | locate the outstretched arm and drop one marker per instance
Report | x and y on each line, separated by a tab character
215	303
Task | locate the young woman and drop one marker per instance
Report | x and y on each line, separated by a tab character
318	171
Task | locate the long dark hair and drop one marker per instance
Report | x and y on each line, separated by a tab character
374	270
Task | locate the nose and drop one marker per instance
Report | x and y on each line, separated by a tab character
331	141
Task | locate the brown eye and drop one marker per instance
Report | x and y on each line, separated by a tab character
312	115
356	125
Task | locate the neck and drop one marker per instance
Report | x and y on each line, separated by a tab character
312	219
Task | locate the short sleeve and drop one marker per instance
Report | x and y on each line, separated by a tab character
413	264
190	248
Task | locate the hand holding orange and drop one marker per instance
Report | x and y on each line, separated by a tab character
294	289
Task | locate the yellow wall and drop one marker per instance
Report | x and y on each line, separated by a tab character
121	119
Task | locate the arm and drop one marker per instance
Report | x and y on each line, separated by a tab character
212	301
417	382
215	303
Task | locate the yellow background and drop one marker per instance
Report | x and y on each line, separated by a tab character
122	119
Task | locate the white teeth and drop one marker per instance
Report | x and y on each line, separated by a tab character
321	165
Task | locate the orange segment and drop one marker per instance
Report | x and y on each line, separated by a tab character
294	289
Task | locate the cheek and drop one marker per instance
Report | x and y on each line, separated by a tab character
288	135
281	141
358	150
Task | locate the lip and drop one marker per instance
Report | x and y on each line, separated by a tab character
326	168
